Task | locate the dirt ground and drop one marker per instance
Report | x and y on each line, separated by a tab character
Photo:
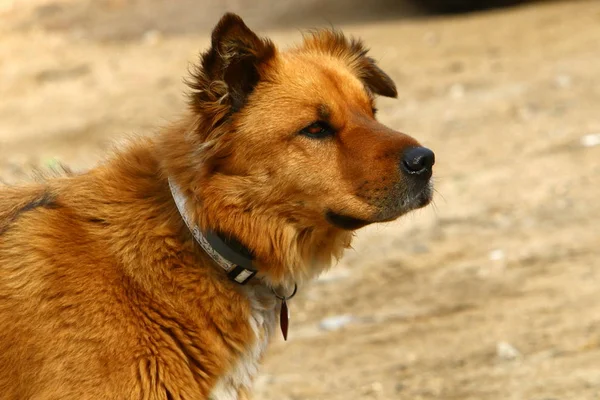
492	293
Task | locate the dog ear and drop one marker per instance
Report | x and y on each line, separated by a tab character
354	54
375	79
231	68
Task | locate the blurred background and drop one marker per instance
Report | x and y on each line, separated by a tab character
491	293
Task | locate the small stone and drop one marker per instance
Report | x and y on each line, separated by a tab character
419	248
457	91
525	113
507	351
563	81
336	322
373	389
497	255
377	387
591	140
152	37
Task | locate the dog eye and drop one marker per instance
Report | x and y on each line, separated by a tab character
318	130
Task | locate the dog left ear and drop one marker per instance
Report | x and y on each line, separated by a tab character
375	79
231	68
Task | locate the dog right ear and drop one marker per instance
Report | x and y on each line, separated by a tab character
230	69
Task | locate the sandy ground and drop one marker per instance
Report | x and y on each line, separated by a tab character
490	294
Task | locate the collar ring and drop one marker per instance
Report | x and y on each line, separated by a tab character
285	298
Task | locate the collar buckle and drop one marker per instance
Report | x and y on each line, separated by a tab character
241	275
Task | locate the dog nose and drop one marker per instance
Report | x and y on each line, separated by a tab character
418	161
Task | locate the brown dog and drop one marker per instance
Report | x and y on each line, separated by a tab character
109	291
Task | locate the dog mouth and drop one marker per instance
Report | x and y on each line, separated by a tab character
386	213
345	222
422	199
415	200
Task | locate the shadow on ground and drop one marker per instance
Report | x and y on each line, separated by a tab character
123	20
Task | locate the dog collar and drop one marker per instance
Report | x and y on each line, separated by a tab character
228	254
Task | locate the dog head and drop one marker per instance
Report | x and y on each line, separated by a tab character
290	140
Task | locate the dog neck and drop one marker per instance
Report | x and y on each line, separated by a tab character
230	255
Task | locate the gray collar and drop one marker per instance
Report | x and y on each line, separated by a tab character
230	255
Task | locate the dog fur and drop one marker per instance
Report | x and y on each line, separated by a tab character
104	294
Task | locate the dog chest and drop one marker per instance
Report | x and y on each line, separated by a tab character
262	320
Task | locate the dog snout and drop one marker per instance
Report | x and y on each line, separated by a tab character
418	162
